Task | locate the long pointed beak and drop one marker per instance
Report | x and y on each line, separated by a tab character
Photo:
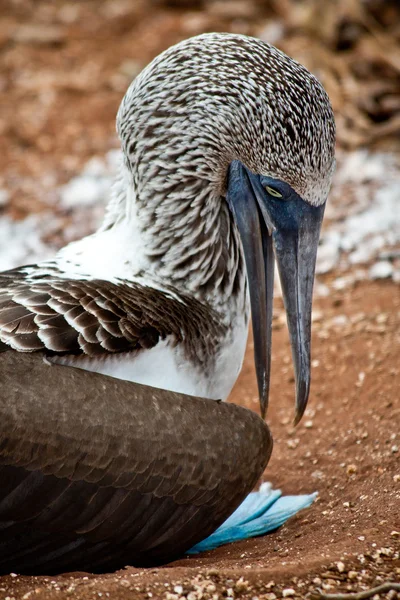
259	258
290	230
296	253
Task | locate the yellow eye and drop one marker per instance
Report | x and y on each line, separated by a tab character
273	192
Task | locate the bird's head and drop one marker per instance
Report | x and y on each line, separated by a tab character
221	124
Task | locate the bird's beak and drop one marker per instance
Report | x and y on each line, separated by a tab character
290	231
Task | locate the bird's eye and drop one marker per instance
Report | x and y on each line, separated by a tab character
273	192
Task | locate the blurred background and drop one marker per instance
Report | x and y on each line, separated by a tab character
65	65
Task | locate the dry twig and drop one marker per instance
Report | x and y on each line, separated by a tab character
380	589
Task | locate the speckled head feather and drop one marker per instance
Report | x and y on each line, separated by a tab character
219	97
199	105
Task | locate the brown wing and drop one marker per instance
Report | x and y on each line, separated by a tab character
97	473
95	316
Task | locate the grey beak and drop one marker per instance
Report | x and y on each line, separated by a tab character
289	229
296	253
259	258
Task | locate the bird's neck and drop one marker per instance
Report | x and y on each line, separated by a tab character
185	238
191	246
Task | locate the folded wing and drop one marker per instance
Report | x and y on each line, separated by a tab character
97	473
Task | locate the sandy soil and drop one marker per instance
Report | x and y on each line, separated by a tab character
58	105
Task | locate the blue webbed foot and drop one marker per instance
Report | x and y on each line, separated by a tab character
260	513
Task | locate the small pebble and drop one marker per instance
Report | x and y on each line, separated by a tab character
241	585
381	270
340	566
352	574
361	377
293	443
178	589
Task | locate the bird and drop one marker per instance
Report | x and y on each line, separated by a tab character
116	355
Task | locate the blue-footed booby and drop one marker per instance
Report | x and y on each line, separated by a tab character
227	159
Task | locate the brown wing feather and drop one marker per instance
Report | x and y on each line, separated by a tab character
97	473
96	316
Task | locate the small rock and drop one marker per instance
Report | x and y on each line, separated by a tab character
288	592
321	290
178	589
241	585
381	270
340	566
340	320
352	575
360	380
382	318
293	443
351	469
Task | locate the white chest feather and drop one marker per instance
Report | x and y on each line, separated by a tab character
165	366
